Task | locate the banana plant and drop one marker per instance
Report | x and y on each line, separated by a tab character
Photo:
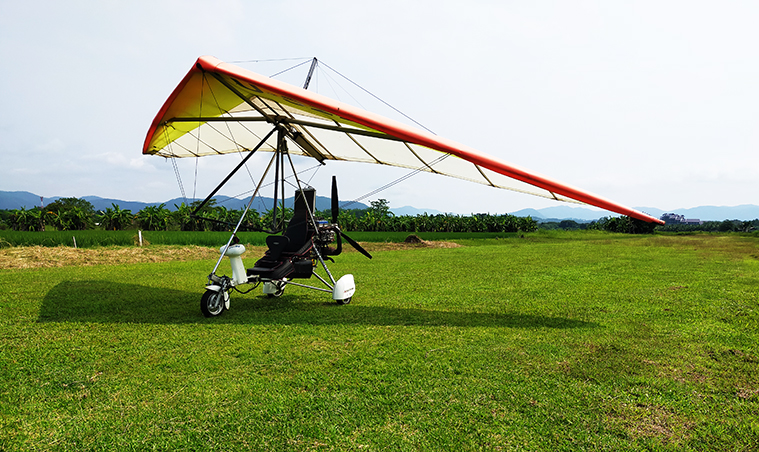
115	219
154	218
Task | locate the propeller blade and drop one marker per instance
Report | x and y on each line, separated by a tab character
335	213
335	207
355	244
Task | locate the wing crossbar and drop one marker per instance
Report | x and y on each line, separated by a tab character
285	120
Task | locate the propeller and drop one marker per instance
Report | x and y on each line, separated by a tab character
335	213
335	207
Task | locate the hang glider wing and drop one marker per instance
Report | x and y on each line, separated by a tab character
219	108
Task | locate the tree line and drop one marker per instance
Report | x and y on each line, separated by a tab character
714	226
67	214
630	225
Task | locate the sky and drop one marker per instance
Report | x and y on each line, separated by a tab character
646	103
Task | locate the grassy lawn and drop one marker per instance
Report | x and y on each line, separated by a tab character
562	341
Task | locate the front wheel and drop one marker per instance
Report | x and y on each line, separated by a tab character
213	302
344	301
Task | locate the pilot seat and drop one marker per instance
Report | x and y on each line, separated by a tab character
289	255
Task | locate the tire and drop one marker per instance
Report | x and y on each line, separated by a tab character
279	292
276	294
344	301
213	303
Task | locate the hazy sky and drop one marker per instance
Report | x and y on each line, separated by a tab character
647	103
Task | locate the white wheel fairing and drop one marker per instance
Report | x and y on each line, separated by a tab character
344	288
217	288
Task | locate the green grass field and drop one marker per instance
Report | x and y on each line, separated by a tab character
561	341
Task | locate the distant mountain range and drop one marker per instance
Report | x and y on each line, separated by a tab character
17	199
10	200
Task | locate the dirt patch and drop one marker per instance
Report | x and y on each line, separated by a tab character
643	420
63	256
413	239
733	246
747	394
409	244
685	373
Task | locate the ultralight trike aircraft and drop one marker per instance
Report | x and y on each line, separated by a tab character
219	108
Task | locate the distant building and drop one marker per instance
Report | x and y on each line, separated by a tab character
673	218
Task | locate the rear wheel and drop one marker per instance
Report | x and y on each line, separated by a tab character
213	302
280	285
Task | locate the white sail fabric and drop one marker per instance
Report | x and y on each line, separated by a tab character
219	108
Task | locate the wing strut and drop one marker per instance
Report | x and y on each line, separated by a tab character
279	163
229	176
239	222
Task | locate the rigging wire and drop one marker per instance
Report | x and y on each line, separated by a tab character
229	130
402	178
179	179
376	97
318	167
328	78
396	181
288	69
269	60
195	183
174	165
231	135
315	167
197	145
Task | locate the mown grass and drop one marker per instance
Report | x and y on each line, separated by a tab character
547	342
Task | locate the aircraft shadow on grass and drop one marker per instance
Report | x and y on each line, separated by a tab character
94	301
